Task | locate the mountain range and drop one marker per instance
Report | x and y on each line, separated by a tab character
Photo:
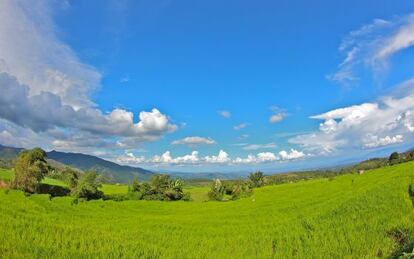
113	171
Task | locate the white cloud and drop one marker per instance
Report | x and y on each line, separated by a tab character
46	110
194	141
278	114
45	86
188	159
259	146
240	126
222	158
277	117
359	126
225	114
164	158
267	157
372	46
293	154
386	121
130	158
375	141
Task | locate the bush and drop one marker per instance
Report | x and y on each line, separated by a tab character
256	179
88	187
394	158
161	187
53	190
217	191
241	190
70	177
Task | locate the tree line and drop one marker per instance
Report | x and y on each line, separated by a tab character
31	168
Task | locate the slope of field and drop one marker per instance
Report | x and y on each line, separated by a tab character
8	174
349	216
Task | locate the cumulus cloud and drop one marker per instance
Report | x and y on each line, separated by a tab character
293	154
45	86
222	158
389	120
225	114
194	141
375	141
46	110
372	46
386	121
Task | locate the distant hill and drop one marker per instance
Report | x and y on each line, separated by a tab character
113	171
206	175
9	153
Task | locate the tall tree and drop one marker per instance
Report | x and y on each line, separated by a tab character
31	167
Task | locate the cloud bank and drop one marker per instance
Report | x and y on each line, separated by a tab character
47	89
222	158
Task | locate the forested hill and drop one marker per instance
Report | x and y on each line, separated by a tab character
113	171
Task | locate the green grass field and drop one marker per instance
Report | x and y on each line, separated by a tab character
347	217
7	175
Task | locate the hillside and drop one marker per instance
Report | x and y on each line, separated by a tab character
355	216
119	173
115	172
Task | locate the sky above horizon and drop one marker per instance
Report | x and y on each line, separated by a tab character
208	85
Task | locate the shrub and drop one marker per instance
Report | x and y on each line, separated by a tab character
217	191
394	158
30	168
240	190
70	177
161	187
88	187
53	190
256	179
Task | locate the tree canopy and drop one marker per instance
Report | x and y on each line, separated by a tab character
31	167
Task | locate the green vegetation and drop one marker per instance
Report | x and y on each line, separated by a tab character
31	167
360	216
87	187
229	190
256	179
161	187
6	174
217	191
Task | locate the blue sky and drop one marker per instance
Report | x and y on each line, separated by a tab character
269	67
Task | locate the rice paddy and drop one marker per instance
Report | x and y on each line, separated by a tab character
349	216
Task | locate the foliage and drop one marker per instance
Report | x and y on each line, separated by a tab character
71	177
394	158
31	167
87	187
217	191
160	187
241	190
6	163
256	179
68	175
